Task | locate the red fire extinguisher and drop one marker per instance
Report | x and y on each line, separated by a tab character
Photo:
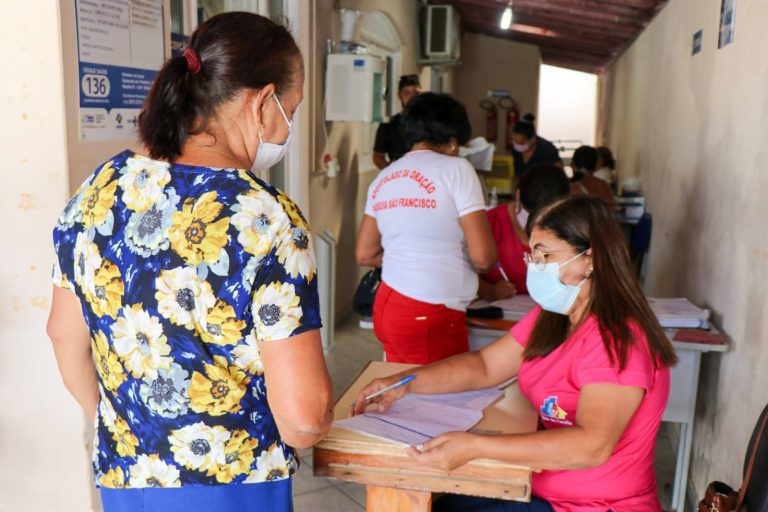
513	116
491	120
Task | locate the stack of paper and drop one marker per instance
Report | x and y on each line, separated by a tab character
679	313
417	418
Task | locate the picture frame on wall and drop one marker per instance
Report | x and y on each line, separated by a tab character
727	22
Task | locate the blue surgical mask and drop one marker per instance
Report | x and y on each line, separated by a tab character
546	288
270	153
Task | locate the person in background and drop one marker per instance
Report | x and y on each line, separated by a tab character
583	165
606	166
591	358
390	142
542	185
529	148
425	221
185	315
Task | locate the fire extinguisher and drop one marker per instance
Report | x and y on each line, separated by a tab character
491	120
513	116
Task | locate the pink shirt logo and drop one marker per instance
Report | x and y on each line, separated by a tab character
550	410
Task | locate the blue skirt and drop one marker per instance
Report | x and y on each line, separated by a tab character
267	496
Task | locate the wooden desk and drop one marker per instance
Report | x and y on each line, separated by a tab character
395	482
683	390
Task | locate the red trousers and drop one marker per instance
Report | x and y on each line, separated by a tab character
417	332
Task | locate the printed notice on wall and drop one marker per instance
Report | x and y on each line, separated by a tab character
120	50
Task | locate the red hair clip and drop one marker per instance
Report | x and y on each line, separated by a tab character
193	60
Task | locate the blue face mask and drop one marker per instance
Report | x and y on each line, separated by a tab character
545	287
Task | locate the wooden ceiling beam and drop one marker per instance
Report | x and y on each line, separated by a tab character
558	31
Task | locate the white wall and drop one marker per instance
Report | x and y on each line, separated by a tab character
693	128
567	105
43	458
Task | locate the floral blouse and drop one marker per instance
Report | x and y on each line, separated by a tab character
181	271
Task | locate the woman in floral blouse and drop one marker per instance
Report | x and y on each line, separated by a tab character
185	309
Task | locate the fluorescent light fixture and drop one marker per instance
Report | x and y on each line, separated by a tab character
506	18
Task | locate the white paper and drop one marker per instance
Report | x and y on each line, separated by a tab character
515	308
679	313
476	400
413	420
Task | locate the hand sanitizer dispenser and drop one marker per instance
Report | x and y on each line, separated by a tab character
354	88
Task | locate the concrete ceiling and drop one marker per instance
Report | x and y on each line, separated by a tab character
586	35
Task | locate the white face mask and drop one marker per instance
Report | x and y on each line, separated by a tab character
546	288
270	153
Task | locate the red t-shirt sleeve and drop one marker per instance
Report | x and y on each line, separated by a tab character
521	331
595	366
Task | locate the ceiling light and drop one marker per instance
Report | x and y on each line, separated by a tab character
506	18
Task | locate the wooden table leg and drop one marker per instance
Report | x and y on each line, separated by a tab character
389	499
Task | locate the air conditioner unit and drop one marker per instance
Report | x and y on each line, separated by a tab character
442	32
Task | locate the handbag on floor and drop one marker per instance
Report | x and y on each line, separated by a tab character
721	497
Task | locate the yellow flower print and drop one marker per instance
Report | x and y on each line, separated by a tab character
151	471
271	465
107	364
126	442
276	311
99	197
108	289
296	254
142	182
258	219
219	391
194	235
221	325
139	341
113	479
238	457
297	219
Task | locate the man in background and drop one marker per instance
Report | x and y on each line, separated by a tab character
390	144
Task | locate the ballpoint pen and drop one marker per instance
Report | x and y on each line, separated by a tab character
501	271
401	382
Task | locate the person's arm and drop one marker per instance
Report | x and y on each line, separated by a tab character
368	249
492	365
603	414
380	159
71	340
299	390
495	291
480	244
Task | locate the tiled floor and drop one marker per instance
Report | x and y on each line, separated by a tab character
355	347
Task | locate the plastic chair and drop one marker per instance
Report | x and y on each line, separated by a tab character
640	240
756	498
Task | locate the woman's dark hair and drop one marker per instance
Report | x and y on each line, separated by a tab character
237	50
585	158
542	184
526	126
434	119
606	156
615	299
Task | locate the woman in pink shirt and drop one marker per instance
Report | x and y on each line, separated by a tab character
592	359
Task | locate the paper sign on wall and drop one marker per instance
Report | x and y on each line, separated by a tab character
120	50
727	22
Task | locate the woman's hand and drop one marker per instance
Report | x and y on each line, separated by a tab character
382	401
503	290
446	451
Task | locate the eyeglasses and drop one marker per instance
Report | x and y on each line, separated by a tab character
538	258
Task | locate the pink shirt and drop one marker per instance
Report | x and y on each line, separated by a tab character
626	482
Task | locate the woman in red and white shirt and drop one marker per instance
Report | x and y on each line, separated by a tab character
425	225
